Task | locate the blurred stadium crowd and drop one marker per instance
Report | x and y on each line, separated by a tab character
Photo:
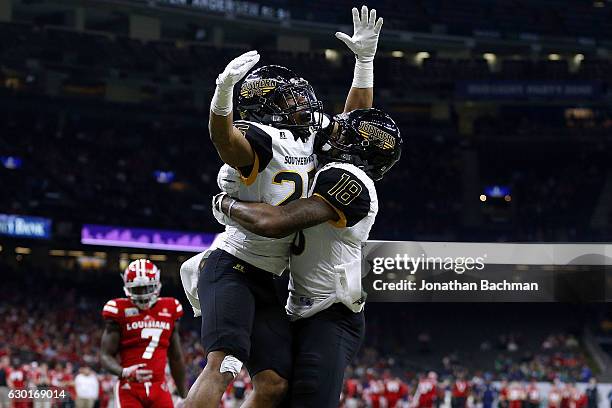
103	170
364	386
45	347
150	163
125	170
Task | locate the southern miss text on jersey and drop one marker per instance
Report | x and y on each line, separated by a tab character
330	249
145	334
280	174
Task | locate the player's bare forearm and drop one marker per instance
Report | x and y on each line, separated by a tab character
232	146
359	98
177	363
280	221
110	347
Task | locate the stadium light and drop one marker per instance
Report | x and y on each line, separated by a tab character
160	258
332	55
420	56
554	57
397	54
483	198
138	256
490	57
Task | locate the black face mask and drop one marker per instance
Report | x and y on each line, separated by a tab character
295	108
323	135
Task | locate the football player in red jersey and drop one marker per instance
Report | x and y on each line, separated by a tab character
516	395
555	394
460	392
143	330
395	390
426	391
17	380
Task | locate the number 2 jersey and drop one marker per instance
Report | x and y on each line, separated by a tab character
145	334
324	252
279	175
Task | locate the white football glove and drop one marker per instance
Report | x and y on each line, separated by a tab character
234	71
228	180
366	30
216	209
136	372
237	69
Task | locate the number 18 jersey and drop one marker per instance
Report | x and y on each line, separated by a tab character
323	251
279	175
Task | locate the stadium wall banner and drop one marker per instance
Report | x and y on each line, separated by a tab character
107	235
22	226
395	271
232	7
528	89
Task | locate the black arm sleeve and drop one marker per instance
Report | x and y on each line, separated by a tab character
261	143
344	191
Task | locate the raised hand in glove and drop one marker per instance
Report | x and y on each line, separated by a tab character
234	71
366	29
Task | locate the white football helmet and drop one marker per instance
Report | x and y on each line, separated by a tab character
141	283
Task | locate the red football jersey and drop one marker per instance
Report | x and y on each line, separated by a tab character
145	334
394	391
427	392
461	389
351	388
18	377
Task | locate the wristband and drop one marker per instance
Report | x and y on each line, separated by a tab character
221	103
229	209
363	76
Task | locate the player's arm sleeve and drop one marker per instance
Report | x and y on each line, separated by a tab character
261	143
345	193
110	311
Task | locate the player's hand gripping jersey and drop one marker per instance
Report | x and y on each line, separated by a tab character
326	259
145	334
280	174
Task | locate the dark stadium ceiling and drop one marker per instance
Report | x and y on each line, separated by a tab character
186	23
